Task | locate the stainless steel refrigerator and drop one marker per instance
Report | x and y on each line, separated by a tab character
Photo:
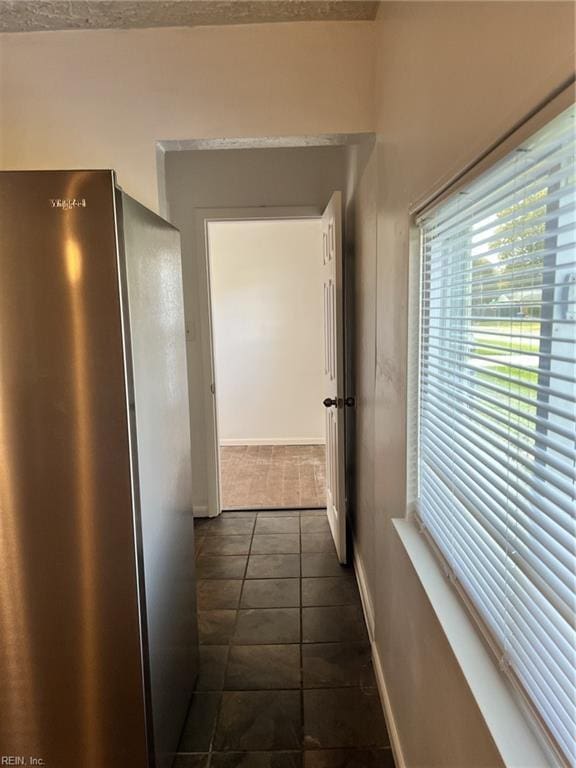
98	634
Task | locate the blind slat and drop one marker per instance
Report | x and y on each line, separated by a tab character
543	405
484	549
484	283
467	205
530	455
483	330
448	354
553	578
498	250
494	463
478	344
542	425
502	462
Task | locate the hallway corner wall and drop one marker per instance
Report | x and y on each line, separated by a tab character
443	95
235	178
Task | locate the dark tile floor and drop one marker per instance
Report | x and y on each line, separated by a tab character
286	679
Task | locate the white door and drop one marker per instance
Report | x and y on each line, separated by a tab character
334	371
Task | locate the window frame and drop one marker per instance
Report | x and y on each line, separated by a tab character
554	105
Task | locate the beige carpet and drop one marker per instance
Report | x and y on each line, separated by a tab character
263	476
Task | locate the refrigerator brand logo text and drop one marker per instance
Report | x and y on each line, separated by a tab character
68	203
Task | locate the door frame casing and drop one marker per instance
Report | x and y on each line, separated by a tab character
334	379
203	217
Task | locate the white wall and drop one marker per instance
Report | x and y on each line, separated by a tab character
266	285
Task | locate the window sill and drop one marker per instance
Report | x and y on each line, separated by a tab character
512	731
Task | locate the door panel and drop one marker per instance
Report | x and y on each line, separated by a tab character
334	371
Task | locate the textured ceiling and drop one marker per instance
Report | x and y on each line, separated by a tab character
44	15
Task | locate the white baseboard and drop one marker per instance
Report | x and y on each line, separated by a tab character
399	760
272	441
365	595
368	608
200	510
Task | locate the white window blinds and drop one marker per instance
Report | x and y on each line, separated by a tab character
496	409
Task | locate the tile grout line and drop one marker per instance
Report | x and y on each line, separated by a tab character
229	644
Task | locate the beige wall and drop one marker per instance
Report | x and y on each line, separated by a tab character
451	78
103	98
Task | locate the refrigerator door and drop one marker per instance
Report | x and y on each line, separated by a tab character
156	350
71	690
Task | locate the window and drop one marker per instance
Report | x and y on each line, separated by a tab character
495	463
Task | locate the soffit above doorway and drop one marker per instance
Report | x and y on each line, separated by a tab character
51	15
267	142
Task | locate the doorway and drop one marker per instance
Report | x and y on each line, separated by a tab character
265	286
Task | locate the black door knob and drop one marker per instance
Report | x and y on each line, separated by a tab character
329	402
